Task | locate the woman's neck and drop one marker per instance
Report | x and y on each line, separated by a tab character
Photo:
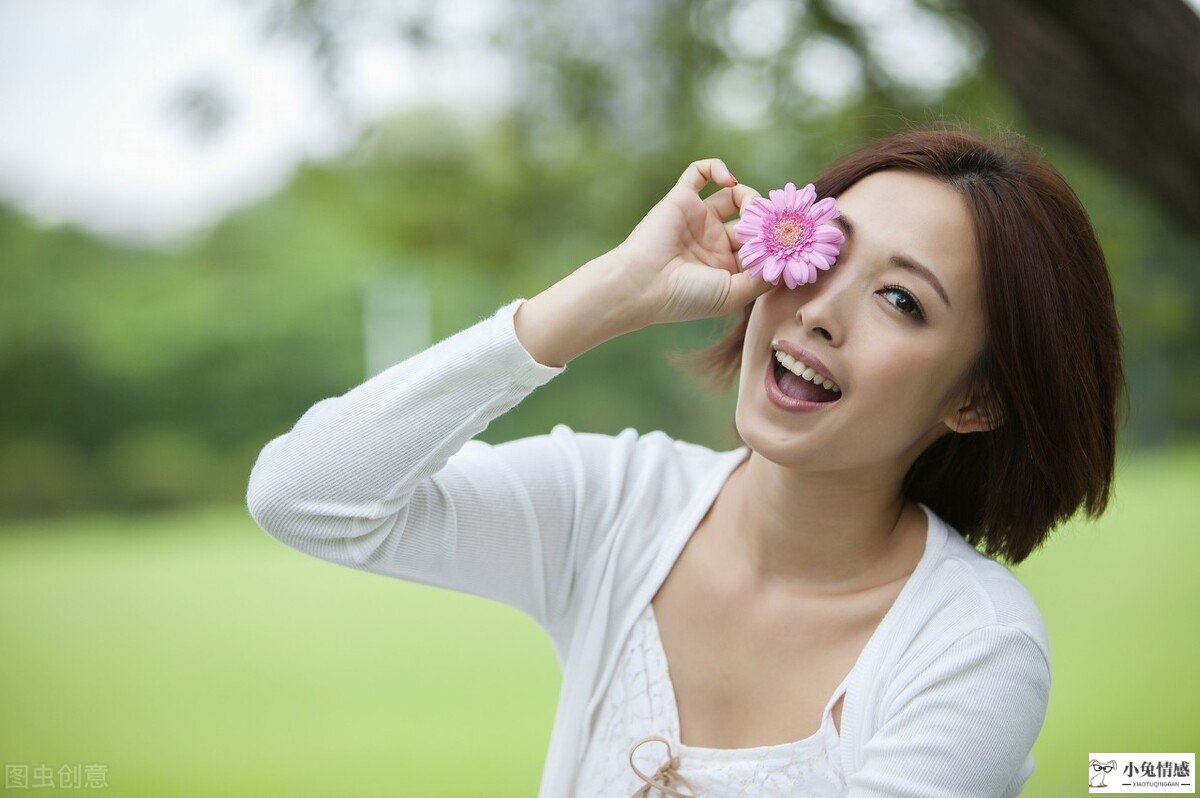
818	532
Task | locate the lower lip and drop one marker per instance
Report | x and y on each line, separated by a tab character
785	402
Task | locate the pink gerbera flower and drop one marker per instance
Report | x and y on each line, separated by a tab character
789	235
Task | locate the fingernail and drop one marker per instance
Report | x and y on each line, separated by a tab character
735	180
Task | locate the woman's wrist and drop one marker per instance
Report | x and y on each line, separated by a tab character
589	306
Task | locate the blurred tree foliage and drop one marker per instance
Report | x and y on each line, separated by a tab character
142	378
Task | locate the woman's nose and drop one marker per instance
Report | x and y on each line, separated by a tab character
821	309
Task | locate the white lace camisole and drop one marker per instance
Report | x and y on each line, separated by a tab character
637	731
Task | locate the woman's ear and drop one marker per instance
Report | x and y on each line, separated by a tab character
975	415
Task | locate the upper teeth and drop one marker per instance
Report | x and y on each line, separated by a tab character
799	369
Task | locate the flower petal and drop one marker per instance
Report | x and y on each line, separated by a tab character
746	229
807	195
791	196
773	269
824	210
753	257
756	208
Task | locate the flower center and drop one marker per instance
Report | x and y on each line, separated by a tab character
789	232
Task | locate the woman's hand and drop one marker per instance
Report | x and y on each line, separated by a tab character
681	259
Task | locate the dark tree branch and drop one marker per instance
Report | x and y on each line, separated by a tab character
1119	79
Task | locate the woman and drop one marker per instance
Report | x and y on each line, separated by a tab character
830	625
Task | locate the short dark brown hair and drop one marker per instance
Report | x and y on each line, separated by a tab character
1052	359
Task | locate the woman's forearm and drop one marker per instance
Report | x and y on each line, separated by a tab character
589	306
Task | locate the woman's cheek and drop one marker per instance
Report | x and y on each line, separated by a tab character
889	376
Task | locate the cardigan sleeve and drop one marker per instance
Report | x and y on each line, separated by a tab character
388	479
965	727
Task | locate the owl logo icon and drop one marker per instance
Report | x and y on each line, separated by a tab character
1099	771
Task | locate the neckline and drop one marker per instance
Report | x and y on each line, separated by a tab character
827	732
935	537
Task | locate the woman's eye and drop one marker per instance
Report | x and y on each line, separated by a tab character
909	305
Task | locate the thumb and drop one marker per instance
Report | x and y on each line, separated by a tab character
744	288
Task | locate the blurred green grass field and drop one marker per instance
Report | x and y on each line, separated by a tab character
194	655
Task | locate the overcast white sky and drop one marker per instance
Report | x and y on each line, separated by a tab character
87	133
86	128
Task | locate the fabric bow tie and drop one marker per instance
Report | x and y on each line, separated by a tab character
665	778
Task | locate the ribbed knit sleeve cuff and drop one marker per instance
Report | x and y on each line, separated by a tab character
501	333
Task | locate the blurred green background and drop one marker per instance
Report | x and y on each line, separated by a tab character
151	628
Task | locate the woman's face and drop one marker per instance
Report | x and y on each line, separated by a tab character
902	377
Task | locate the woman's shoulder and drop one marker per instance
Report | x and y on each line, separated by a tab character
632	453
966	592
643	480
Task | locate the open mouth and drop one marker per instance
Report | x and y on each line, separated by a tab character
796	387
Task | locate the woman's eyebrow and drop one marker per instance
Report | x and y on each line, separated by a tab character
899	259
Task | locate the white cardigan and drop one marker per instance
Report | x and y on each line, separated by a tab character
578	530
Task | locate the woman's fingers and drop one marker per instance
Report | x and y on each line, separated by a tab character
734	242
708	170
730	201
744	289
